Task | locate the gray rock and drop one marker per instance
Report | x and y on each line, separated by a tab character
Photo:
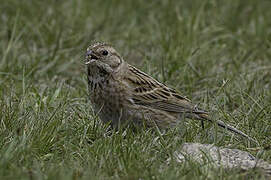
221	157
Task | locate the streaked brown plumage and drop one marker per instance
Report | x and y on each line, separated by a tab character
122	94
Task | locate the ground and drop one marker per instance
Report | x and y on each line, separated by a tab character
217	53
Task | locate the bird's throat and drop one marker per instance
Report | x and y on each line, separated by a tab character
96	77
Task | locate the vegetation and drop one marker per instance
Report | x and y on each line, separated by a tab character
217	53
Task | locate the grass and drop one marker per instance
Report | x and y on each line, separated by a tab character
215	52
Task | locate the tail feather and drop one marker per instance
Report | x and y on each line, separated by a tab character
226	126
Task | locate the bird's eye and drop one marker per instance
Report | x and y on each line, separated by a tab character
104	52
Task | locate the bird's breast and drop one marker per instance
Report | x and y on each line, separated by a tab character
106	92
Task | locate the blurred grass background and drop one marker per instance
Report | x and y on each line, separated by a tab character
215	52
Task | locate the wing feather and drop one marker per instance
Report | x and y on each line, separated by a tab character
149	92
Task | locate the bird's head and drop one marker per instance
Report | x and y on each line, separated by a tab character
103	56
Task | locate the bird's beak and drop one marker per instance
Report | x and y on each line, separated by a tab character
90	57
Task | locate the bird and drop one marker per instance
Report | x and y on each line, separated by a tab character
121	94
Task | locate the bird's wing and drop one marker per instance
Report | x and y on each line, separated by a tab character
149	92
